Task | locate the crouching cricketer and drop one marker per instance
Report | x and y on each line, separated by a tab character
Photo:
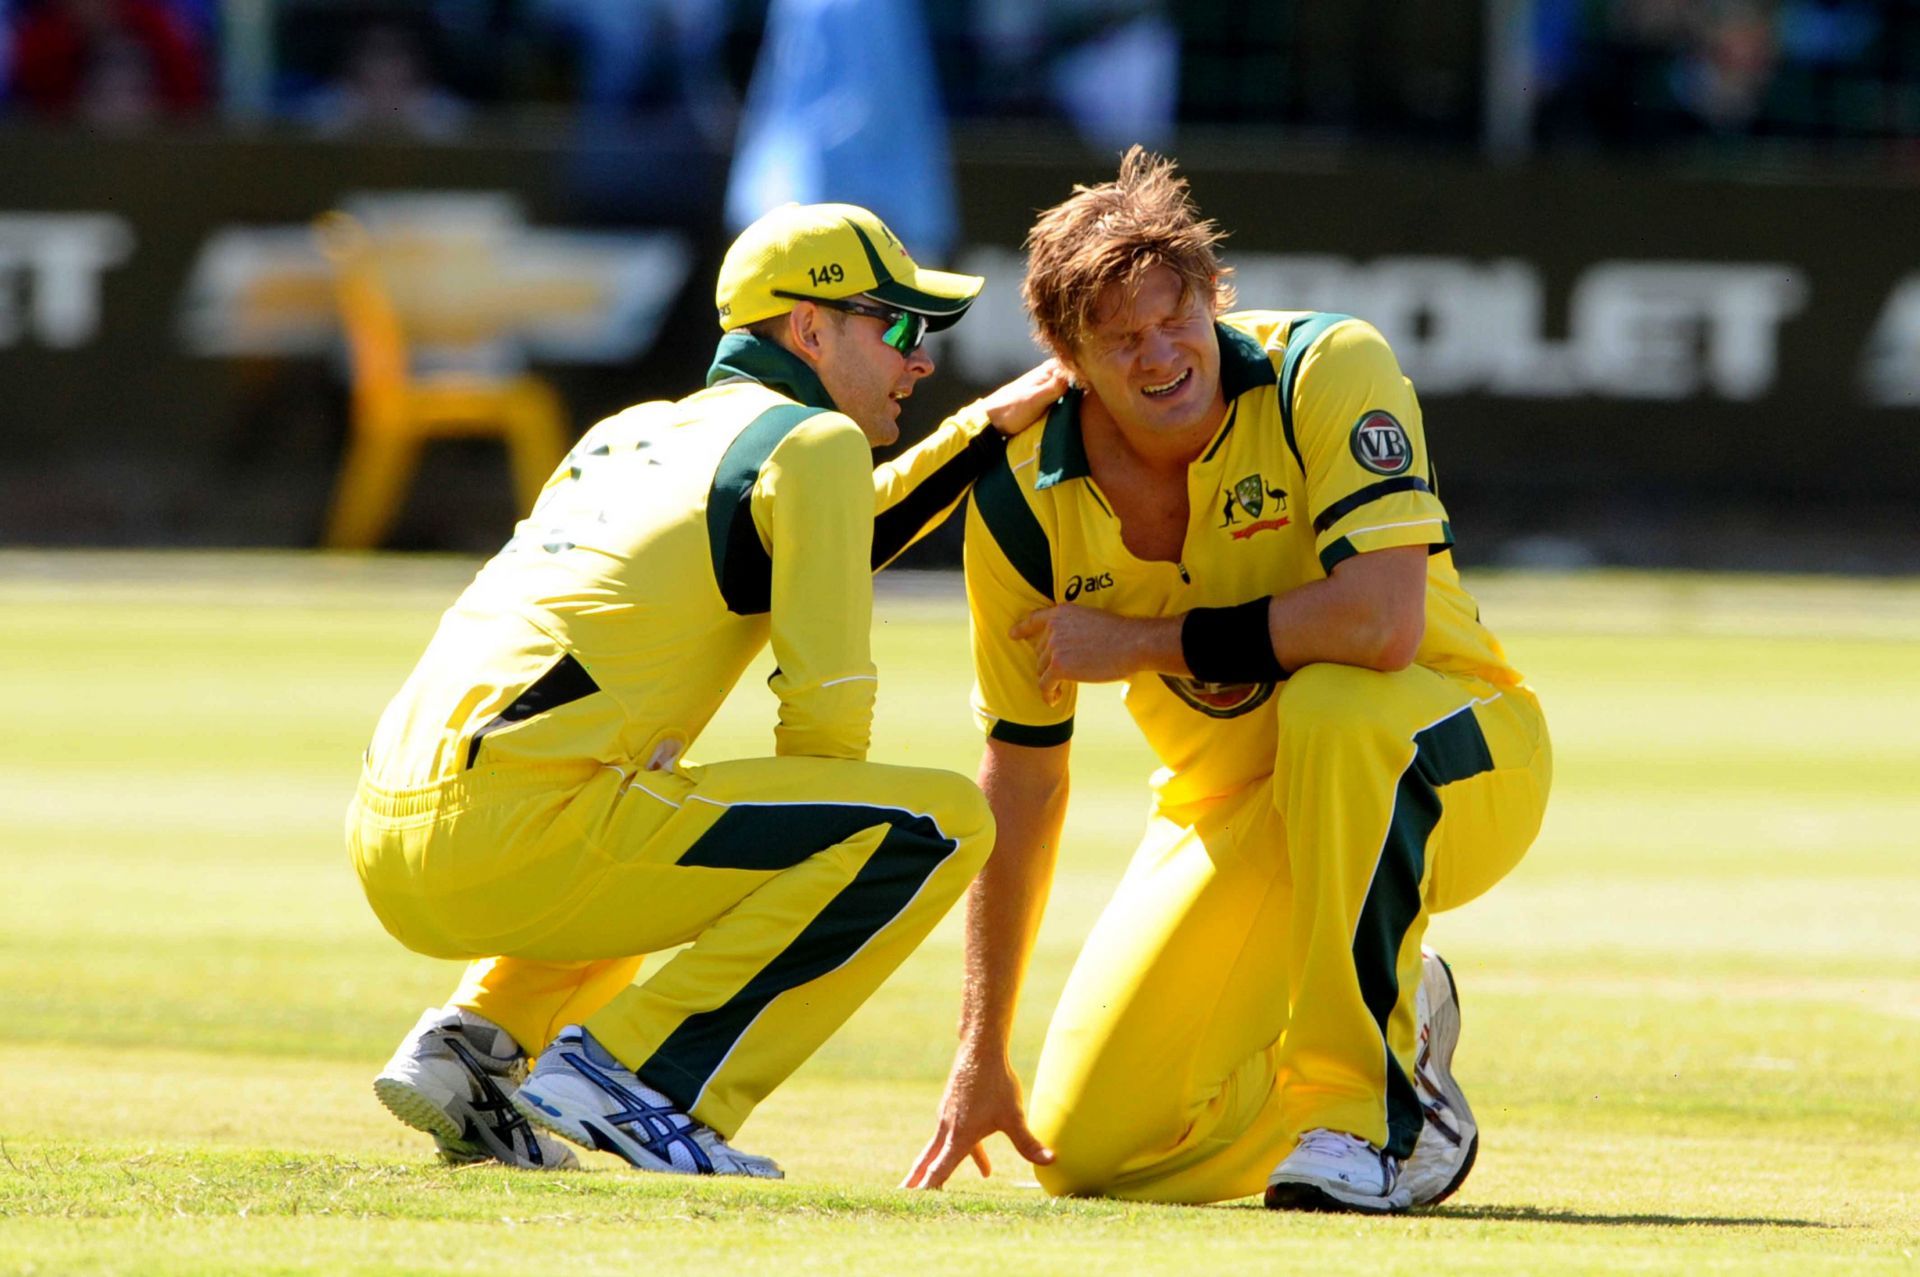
526	804
1236	515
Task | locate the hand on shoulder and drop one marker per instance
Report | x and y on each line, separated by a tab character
1025	400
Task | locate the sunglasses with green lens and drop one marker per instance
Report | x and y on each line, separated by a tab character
905	329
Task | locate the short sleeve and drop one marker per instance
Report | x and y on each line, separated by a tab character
1009	568
1356	425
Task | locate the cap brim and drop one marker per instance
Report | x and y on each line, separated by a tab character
942	296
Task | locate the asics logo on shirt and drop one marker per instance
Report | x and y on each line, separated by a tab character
1092	581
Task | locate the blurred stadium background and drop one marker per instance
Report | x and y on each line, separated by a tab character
1651	263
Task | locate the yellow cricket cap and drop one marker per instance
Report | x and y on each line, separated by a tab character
831	251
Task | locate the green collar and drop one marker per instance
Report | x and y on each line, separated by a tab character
1244	366
741	354
1063	453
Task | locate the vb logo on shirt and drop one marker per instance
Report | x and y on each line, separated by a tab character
1087	584
1380	443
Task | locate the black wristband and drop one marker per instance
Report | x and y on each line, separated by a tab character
1230	644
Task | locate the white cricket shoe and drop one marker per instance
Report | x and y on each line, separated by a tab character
450	1078
1449	1138
578	1090
1334	1171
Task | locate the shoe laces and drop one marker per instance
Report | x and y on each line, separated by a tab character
1341	1146
1333	1143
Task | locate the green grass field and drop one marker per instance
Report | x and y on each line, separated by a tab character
1692	1015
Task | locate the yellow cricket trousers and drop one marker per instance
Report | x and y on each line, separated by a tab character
797	885
1255	974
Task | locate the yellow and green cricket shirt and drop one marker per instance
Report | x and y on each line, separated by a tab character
676	540
1321	456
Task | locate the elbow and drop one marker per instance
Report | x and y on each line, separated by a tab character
1396	641
1051	791
1384	594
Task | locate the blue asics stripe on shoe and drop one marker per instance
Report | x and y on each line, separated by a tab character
449	1078
657	1132
579	1091
505	1123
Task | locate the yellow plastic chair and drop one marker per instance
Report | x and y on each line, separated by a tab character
397	410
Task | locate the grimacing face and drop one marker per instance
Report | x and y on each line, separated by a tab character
1152	360
867	378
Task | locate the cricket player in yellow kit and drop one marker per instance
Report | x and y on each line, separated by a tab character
1236	515
526	802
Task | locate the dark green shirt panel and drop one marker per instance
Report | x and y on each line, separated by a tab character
741	566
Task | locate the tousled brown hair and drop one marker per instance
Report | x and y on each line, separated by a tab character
1114	233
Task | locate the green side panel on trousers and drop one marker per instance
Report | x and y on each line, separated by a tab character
770	837
1451	750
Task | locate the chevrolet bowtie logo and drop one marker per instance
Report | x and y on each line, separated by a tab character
465	269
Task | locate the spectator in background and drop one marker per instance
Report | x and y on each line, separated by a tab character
1829	81
113	62
1653	71
844	108
201	18
6	52
1079	50
633	53
121	95
386	87
1828	32
1723	74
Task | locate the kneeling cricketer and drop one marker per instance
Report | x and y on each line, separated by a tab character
1236	515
